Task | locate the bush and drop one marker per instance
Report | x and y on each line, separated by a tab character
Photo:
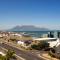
41	45
2	57
52	52
35	47
47	49
10	54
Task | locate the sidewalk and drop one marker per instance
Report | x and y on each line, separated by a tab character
46	56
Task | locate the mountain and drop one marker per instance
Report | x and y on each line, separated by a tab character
27	28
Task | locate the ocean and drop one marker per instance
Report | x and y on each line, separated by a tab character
34	33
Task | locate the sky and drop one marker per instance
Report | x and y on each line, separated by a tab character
41	13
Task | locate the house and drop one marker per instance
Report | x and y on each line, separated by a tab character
20	43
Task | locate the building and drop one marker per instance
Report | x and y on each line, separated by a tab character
51	41
54	34
51	34
45	36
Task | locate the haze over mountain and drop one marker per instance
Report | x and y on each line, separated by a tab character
27	28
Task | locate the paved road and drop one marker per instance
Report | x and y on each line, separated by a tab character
23	54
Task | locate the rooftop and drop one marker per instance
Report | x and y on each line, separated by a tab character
39	39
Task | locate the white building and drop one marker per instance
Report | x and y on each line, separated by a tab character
52	41
44	39
20	43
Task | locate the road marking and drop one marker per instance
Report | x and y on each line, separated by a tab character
20	57
15	54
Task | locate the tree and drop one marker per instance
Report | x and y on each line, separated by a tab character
10	54
41	45
2	57
35	47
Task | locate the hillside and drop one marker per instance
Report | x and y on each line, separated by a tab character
27	28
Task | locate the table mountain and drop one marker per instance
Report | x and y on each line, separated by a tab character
27	28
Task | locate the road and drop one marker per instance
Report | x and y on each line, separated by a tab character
24	54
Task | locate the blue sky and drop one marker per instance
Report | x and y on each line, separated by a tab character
42	13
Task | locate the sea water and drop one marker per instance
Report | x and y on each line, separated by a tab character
34	33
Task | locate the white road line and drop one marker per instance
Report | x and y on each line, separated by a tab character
20	57
15	54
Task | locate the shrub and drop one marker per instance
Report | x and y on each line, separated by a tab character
2	57
34	46
52	50
41	45
10	54
51	54
47	49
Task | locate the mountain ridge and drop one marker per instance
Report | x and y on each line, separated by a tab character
27	28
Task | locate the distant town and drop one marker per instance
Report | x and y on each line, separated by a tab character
25	44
